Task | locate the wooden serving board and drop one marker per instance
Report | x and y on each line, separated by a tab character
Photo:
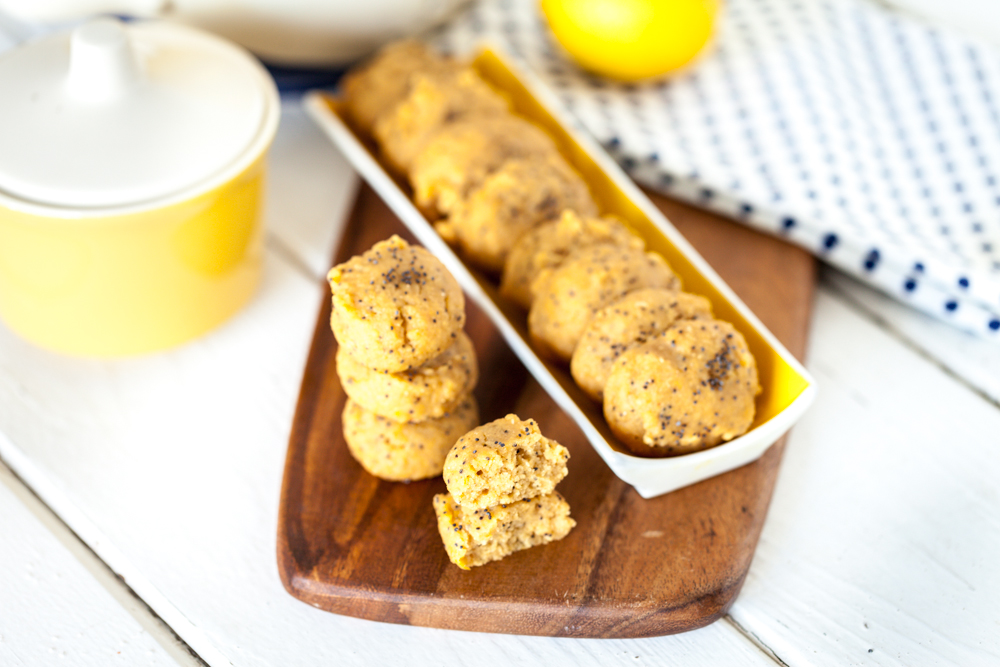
352	544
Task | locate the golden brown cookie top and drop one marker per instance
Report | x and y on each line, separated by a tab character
690	388
591	278
628	323
521	194
435	98
549	244
503	461
396	306
380	84
462	154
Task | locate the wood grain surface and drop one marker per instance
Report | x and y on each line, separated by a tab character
354	545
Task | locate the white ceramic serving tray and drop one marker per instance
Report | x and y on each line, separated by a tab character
788	389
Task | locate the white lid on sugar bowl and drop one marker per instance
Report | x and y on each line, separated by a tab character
117	114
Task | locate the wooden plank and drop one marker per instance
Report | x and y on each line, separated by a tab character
882	544
143	443
975	360
354	545
52	610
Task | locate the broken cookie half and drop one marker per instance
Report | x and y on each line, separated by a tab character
501	479
475	537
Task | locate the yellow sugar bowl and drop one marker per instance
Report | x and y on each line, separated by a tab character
132	162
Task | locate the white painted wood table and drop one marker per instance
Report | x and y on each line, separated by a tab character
881	547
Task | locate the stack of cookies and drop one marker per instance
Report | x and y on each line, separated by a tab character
405	363
501	498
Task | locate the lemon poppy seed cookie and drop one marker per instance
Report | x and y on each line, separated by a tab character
384	81
400	451
395	307
462	154
549	244
478	536
690	388
523	193
425	392
434	99
625	324
502	462
569	296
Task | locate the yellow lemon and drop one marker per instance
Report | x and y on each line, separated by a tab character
631	39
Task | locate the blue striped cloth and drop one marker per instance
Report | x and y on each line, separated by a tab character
868	138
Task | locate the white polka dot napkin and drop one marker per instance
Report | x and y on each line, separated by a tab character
870	139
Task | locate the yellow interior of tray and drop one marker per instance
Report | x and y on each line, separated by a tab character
781	383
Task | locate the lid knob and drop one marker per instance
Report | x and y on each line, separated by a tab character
102	65
115	115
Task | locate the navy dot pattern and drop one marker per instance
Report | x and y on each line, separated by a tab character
867	137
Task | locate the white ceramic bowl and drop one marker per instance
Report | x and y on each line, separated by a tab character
314	33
